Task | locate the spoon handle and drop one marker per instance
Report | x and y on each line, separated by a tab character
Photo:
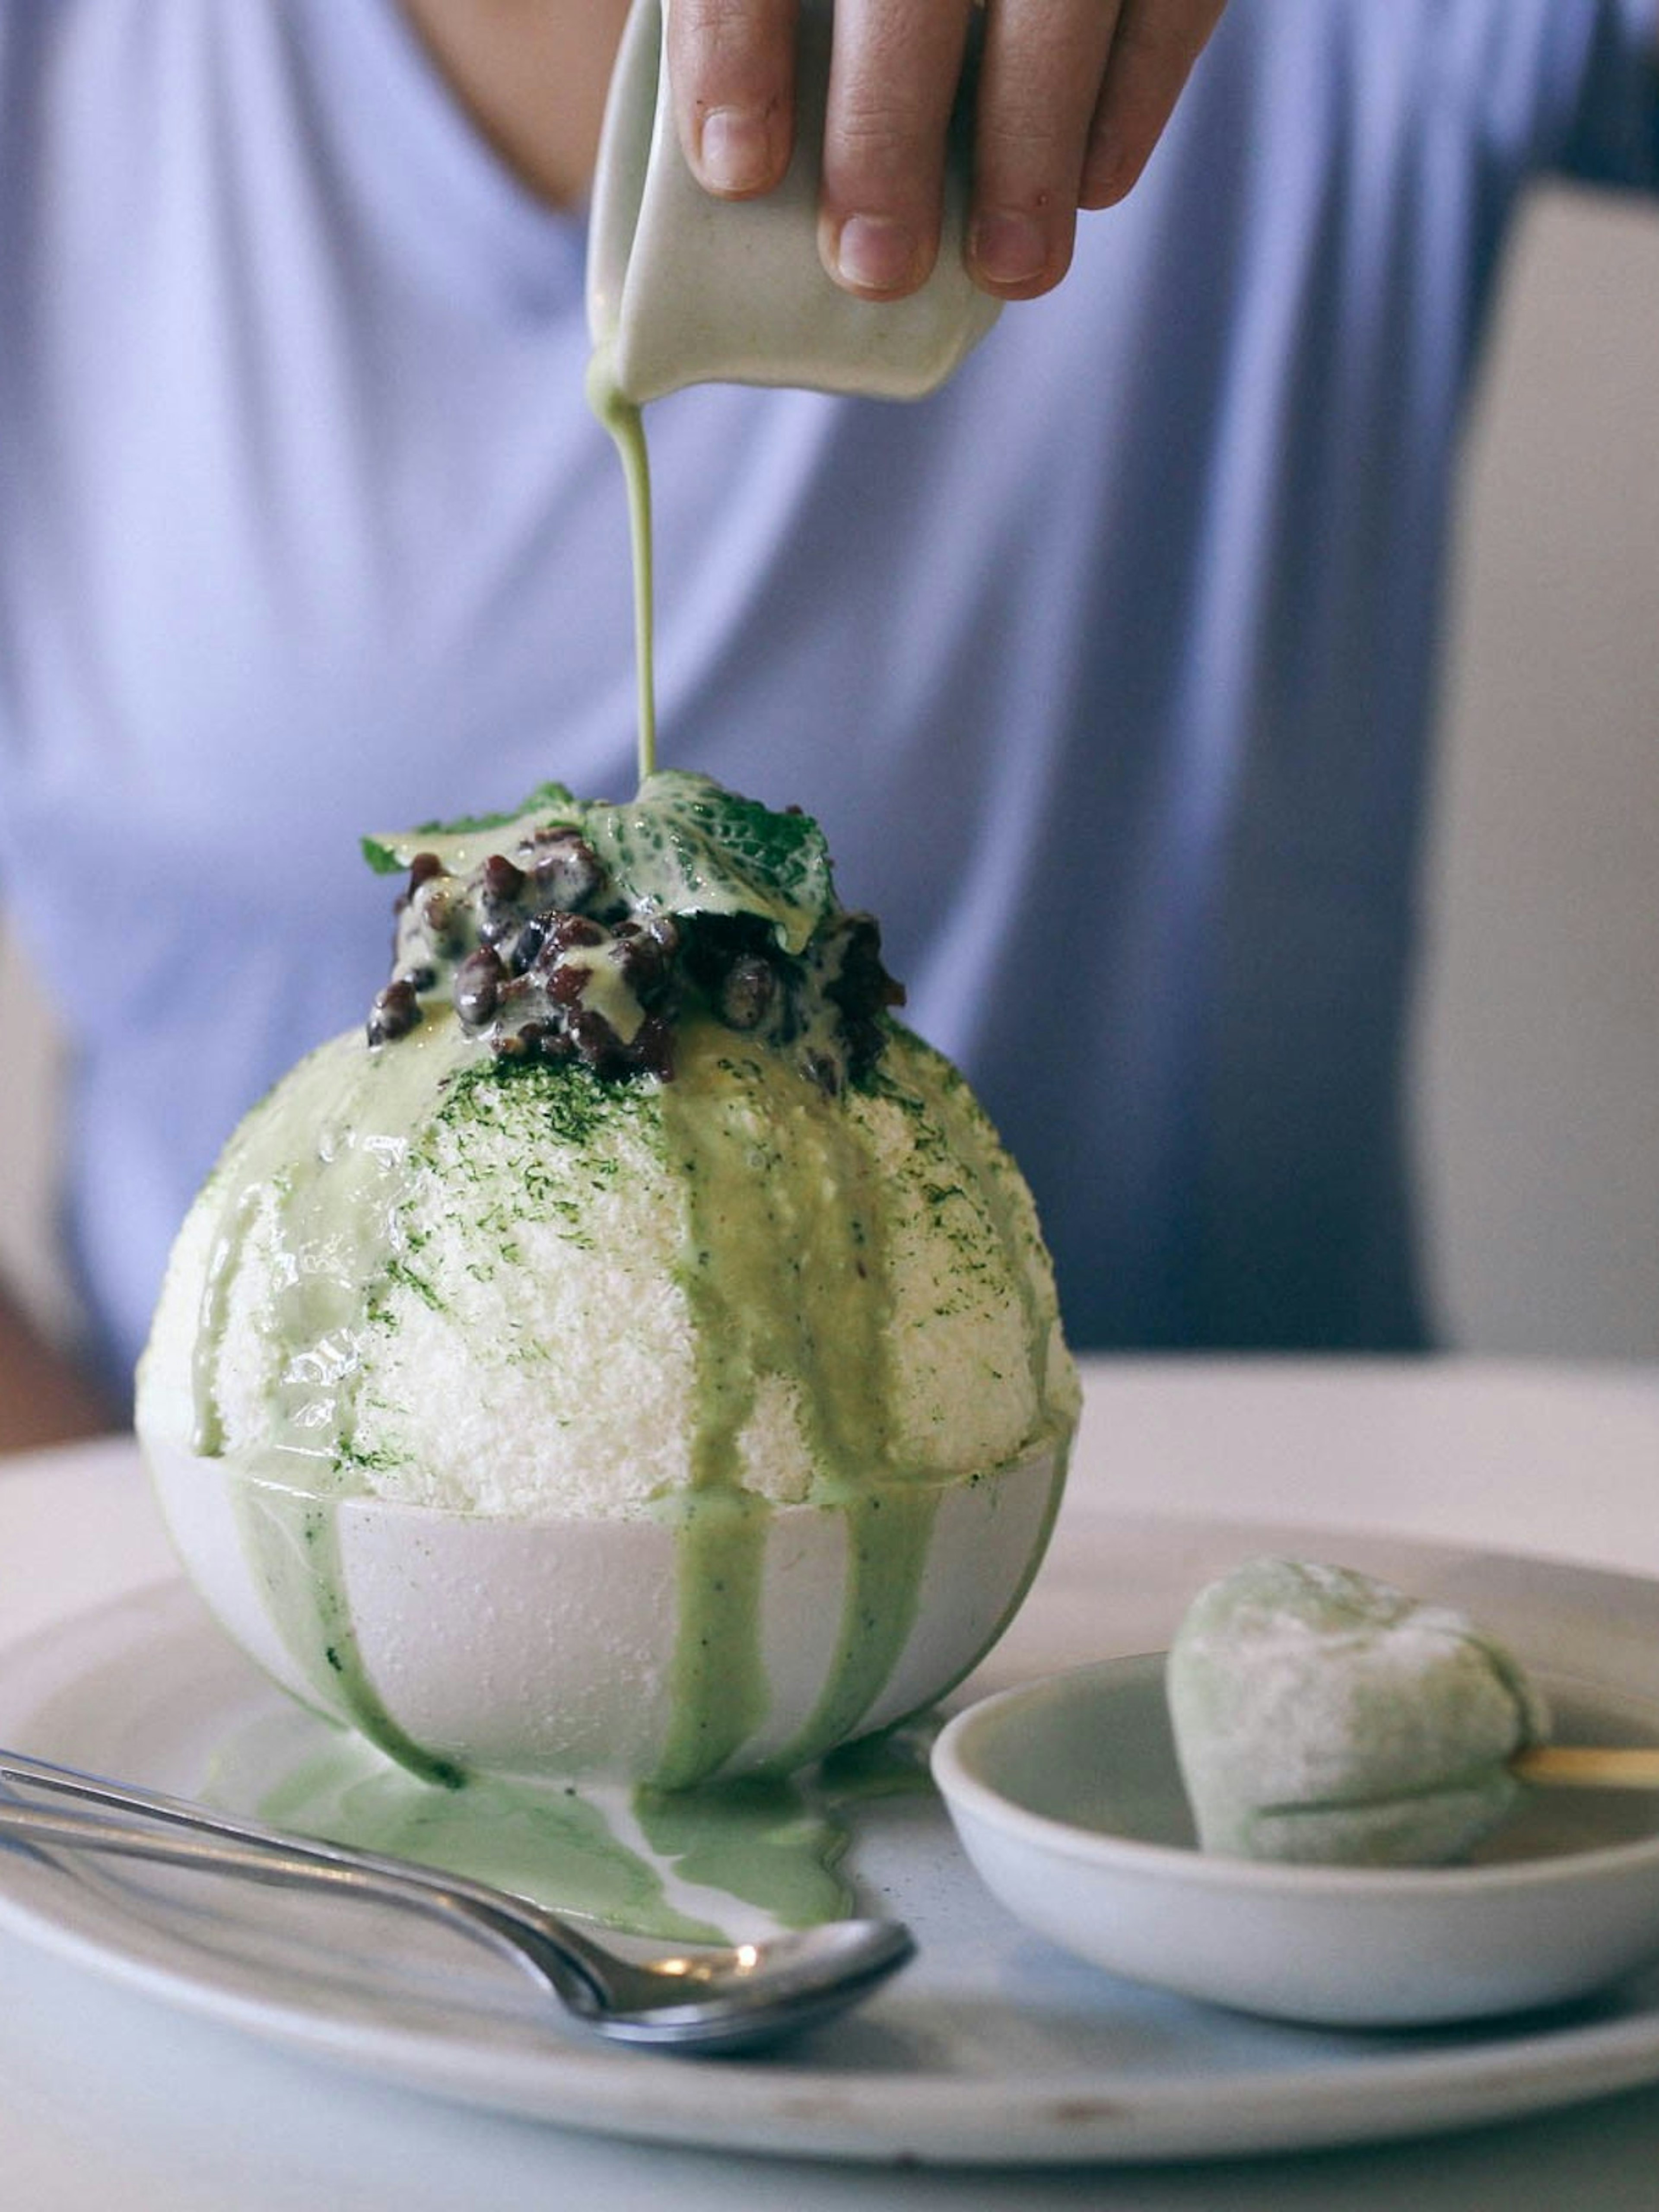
128	1797
584	1972
1589	1766
51	1829
16	1766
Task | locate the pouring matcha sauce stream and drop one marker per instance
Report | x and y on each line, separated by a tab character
334	1208
723	1533
625	423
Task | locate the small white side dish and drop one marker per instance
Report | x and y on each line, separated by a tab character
1067	1798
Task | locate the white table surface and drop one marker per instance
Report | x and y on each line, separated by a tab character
109	2099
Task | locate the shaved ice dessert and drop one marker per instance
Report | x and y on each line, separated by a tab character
636	1354
1322	1715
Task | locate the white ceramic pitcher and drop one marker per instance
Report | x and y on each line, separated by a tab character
685	289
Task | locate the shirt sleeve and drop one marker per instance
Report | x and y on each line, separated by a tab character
1607	114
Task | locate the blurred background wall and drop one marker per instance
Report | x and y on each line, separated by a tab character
1539	1058
1538	1062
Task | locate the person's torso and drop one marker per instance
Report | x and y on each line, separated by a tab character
1106	669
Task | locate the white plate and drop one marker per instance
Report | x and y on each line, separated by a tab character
993	2047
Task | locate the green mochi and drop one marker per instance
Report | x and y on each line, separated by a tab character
1321	1716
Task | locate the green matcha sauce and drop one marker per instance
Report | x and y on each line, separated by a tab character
334	1205
729	1861
622	418
786	1274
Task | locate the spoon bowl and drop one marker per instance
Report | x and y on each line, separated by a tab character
1068	1798
700	1998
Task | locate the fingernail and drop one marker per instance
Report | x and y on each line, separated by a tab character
876	253
1106	175
1009	248
734	152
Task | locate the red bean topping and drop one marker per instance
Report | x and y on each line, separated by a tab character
478	982
652	1049
748	992
498	879
442	912
643	963
395	1012
566	982
527	944
594	1036
553	1042
516	944
532	1041
567	931
861	985
567	873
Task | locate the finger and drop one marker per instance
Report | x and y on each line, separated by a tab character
1156	44
732	67
1039	81
892	84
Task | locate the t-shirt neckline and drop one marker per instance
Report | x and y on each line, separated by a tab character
454	176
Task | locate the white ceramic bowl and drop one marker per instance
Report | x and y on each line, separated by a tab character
1068	1798
553	1646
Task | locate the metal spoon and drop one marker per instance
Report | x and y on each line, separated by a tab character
701	1998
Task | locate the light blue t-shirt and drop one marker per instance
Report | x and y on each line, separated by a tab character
1108	669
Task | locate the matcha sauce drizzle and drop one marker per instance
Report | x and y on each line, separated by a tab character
785	1270
331	1205
601	1851
622	418
744	1278
670	1865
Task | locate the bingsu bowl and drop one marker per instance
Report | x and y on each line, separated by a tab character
635	1357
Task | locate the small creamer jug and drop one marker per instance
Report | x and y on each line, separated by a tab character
685	289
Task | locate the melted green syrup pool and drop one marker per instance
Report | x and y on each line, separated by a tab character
723	1862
